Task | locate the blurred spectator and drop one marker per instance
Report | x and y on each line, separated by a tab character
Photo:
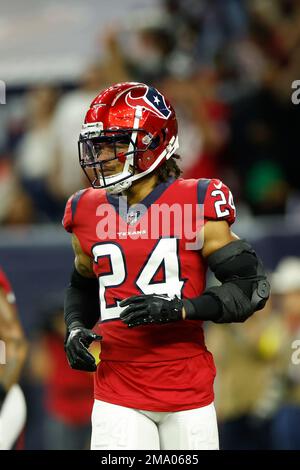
203	26
149	58
66	176
286	284
204	122
248	387
264	123
258	384
15	206
68	394
228	68
35	155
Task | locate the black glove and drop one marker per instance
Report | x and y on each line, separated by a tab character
153	308
76	346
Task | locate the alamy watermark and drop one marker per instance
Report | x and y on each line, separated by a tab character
183	221
2	92
2	352
296	94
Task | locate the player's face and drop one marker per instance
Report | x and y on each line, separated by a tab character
107	154
103	159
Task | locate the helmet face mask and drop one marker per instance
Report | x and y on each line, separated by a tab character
99	156
96	153
122	141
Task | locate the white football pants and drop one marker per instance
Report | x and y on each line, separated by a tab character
116	427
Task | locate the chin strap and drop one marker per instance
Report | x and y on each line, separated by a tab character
119	187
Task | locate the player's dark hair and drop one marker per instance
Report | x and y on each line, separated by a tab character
169	168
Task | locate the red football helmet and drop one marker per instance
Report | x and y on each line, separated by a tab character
137	123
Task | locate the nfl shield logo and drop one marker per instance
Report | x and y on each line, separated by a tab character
132	217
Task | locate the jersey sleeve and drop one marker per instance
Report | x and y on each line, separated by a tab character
70	210
218	201
67	220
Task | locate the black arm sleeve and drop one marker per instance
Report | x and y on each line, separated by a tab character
81	304
243	291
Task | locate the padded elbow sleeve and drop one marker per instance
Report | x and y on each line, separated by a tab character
244	289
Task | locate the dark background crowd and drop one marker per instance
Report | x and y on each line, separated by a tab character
228	67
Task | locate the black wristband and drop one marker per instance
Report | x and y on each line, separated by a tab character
204	307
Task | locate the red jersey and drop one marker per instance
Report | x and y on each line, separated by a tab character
151	247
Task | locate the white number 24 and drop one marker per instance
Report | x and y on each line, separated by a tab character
223	212
164	253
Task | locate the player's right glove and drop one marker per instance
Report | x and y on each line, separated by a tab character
151	308
77	342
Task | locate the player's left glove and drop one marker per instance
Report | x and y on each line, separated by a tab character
153	308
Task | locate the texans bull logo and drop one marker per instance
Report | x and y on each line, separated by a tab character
152	100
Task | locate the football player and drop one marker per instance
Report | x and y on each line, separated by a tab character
13	352
143	271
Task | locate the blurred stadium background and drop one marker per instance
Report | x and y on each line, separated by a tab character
228	67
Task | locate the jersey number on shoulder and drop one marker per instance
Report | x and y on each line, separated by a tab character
164	254
220	205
